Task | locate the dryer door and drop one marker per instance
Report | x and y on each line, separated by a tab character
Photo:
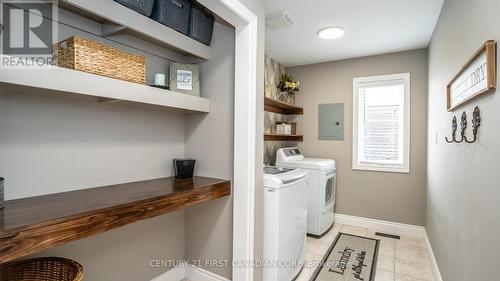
329	191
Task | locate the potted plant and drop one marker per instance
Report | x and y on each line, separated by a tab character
288	85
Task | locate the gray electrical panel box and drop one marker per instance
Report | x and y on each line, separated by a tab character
331	121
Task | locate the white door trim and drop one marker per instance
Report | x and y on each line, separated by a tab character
245	22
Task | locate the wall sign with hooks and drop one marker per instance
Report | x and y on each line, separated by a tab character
478	76
453	131
463	126
476	123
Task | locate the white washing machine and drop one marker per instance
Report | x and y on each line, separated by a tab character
321	190
285	223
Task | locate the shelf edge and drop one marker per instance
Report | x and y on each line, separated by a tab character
58	79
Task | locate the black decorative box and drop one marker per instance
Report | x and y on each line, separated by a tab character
184	168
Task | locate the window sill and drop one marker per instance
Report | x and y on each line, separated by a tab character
381	169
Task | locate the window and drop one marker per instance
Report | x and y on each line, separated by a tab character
381	127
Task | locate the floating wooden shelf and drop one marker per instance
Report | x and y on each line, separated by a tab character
118	18
68	83
276	137
38	223
275	106
281	108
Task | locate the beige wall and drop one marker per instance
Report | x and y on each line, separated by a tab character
386	196
463	179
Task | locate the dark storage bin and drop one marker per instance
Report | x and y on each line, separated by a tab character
173	13
144	7
201	26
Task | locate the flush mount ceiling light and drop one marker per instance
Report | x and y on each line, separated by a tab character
331	32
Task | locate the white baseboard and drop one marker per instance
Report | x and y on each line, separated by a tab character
194	273
393	228
435	268
175	274
382	226
190	272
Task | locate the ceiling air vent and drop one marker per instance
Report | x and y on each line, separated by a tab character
279	20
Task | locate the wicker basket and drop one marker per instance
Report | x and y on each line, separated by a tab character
42	269
86	55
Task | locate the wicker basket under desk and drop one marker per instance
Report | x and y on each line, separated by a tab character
42	269
89	56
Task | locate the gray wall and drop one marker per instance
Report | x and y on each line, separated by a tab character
463	180
209	139
202	232
386	196
126	253
257	7
52	145
209	226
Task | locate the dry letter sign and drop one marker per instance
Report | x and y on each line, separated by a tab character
477	76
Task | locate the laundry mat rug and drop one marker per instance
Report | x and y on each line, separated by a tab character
350	258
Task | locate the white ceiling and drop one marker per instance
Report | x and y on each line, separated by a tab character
372	27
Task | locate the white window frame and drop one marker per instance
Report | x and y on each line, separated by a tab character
406	77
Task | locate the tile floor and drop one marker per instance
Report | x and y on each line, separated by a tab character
398	260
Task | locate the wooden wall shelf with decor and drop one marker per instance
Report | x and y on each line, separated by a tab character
275	106
68	83
276	137
115	17
34	224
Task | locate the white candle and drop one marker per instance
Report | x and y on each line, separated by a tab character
159	79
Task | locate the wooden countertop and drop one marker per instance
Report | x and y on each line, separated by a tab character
38	223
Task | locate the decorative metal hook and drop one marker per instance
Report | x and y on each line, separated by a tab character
453	129
463	126
476	123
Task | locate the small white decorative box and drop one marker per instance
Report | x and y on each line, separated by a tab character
284	129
